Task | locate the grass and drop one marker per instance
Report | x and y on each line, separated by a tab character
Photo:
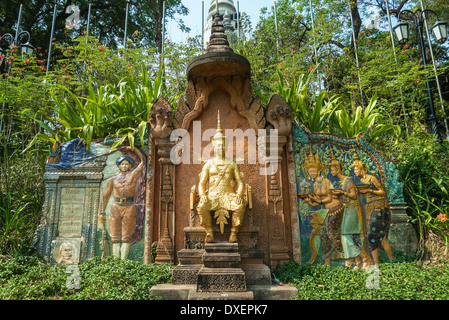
396	281
30	278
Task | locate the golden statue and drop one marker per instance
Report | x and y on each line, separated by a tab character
222	175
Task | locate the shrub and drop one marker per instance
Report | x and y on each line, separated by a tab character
29	278
397	281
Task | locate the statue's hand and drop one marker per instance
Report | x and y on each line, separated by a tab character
239	199
102	217
204	199
337	191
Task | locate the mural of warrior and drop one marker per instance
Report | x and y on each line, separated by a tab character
123	212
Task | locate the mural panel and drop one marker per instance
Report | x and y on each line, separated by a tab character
343	203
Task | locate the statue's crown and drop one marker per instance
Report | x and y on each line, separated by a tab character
219	134
312	161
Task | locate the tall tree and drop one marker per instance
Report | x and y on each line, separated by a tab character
107	19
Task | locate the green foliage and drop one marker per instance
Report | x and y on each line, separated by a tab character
107	20
110	110
29	278
362	121
424	167
314	115
20	205
397	281
330	115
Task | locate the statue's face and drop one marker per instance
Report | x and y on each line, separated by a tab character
357	171
125	166
313	172
335	171
219	148
67	253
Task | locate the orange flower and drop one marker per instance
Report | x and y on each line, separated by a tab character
442	217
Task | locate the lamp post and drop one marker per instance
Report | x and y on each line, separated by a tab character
25	46
439	30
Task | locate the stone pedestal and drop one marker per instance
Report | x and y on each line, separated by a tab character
191	259
402	235
221	271
221	275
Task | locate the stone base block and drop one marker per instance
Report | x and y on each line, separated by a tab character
247	295
190	262
169	291
221	255
221	280
257	274
186	274
273	292
259	292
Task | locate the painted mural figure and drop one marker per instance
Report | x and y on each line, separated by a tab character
351	226
377	211
222	175
328	219
123	213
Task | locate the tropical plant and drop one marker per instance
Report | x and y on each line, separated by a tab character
362	121
427	195
120	110
314	115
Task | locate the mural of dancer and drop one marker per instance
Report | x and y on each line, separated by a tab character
376	208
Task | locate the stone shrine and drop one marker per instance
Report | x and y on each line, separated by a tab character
225	189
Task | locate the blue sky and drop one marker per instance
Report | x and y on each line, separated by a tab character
193	20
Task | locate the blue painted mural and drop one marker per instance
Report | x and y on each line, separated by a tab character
344	189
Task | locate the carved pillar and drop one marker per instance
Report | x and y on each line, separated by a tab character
275	196
293	196
279	115
161	128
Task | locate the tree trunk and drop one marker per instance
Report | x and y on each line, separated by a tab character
158	16
357	21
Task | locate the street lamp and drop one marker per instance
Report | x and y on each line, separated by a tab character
401	31
439	30
25	45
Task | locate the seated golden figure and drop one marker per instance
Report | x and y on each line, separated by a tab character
221	176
